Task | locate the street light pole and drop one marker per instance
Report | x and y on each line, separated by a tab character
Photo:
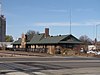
96	32
96	38
96	35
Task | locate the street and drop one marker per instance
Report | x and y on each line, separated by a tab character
49	65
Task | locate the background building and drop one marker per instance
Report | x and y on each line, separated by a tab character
2	28
2	25
44	43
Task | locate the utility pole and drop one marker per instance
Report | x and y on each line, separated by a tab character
96	39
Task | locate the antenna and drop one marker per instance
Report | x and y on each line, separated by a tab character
70	20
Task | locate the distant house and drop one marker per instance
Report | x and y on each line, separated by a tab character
91	47
46	43
6	45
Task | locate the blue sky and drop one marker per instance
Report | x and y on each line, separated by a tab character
24	15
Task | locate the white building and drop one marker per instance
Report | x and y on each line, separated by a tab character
91	47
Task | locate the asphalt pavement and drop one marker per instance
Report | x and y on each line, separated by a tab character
55	65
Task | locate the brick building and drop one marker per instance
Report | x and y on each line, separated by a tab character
46	43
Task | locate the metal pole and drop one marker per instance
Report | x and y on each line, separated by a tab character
70	21
96	32
96	38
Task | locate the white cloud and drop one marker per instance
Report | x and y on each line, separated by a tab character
89	23
60	10
52	24
84	10
56	24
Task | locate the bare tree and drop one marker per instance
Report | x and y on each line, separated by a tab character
30	34
86	40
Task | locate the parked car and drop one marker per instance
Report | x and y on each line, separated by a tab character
98	53
92	51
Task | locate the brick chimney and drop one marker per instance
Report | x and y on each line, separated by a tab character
23	42
46	32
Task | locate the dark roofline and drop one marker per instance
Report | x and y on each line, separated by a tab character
39	39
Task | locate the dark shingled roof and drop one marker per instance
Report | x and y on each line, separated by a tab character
18	41
28	37
52	39
62	39
36	38
70	42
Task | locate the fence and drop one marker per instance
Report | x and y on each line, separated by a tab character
37	50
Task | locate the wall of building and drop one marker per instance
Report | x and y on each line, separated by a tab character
2	28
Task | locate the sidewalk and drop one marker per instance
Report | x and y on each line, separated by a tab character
4	53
